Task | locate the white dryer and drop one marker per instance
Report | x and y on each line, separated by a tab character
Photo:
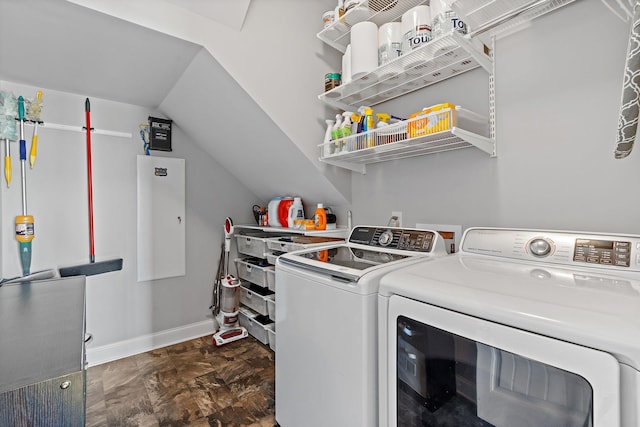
520	328
326	324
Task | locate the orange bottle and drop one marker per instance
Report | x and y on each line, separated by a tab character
321	217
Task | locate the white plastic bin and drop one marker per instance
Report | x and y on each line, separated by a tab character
272	257
272	338
256	324
255	297
271	279
253	243
253	270
271	306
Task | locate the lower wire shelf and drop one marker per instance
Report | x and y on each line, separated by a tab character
445	130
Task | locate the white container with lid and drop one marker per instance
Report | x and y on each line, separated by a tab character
416	31
416	28
364	49
389	42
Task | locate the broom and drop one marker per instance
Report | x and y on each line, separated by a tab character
93	267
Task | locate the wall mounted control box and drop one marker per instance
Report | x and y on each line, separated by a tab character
159	134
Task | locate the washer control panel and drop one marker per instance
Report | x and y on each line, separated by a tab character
556	247
406	239
606	252
540	247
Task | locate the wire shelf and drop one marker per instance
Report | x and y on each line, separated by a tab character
490	17
444	130
440	59
338	34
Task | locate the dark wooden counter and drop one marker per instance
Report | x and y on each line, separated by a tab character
42	376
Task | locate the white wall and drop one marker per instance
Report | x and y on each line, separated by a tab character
557	89
227	123
558	86
276	58
124	316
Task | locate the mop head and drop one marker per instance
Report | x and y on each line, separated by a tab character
34	108
8	113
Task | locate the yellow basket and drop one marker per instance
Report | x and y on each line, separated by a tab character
437	118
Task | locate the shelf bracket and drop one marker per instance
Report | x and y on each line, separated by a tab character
355	167
485	144
482	58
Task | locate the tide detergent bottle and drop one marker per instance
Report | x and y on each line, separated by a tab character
320	217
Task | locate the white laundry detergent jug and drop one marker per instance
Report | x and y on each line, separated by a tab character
296	211
272	210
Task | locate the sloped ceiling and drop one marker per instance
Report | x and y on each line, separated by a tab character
227	12
235	130
59	45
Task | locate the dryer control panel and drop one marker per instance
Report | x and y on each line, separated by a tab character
406	239
556	247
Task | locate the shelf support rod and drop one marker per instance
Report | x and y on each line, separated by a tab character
492	97
70	128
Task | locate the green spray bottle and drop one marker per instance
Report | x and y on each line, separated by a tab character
345	131
336	133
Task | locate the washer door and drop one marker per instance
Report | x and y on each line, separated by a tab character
446	368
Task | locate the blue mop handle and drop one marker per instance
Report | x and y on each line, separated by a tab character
23	143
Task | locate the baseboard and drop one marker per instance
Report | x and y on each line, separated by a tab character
121	349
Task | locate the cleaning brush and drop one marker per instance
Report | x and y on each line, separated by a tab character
33	114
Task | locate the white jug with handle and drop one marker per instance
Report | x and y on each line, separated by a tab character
296	211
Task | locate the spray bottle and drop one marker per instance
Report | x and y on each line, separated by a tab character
336	134
382	136
327	144
346	131
369	124
358	120
383	120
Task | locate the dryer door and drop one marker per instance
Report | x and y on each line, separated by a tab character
446	368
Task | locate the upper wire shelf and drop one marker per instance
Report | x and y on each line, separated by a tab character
338	34
488	18
440	59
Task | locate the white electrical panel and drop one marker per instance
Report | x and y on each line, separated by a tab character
161	218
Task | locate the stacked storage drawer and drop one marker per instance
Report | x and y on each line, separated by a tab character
257	271
258	284
277	246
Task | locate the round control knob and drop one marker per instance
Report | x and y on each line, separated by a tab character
539	247
385	238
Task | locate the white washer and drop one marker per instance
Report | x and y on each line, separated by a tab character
521	327
326	324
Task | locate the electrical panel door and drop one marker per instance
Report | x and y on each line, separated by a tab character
161	218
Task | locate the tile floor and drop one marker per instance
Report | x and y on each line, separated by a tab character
188	384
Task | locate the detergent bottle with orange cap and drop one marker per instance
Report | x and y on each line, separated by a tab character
320	217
